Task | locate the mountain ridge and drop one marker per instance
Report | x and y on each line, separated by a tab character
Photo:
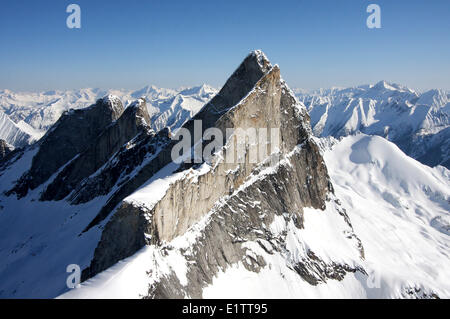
397	113
102	190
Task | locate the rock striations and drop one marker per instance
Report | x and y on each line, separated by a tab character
71	135
104	185
223	212
234	202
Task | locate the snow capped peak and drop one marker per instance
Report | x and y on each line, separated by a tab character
392	111
114	102
435	98
383	85
153	92
262	59
110	98
201	90
14	134
259	54
387	86
138	102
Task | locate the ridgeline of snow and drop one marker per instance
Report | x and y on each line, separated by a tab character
400	210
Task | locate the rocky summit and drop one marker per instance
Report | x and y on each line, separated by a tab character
103	191
235	201
71	134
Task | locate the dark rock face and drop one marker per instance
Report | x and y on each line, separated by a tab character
125	243
5	149
118	169
134	120
72	134
238	221
298	180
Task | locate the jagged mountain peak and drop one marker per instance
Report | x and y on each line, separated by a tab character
197	229
153	92
263	61
132	122
16	134
416	122
383	85
436	98
74	132
114	103
239	84
260	99
389	86
197	90
140	111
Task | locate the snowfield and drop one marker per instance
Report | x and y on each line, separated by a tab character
394	202
399	208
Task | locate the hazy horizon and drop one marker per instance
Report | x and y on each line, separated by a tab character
131	44
179	88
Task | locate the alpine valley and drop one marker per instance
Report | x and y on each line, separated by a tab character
354	202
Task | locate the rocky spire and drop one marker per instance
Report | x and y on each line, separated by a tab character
133	120
238	85
252	69
70	135
239	198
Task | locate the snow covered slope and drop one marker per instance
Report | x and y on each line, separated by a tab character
17	135
317	217
398	207
175	111
410	119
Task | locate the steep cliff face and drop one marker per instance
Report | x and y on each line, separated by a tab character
231	205
240	83
133	121
72	134
259	222
122	166
261	212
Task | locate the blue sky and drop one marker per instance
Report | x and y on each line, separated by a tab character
132	43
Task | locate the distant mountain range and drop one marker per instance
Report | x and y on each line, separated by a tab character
345	217
418	123
25	117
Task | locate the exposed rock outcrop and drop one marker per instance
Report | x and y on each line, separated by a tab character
240	83
239	198
69	136
134	120
120	168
